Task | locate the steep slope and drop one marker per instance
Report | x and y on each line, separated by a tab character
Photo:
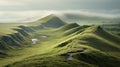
71	29
96	37
21	34
54	22
89	48
49	21
113	28
69	26
58	45
100	39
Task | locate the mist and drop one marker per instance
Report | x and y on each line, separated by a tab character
33	15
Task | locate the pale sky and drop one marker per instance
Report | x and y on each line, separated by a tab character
58	4
17	10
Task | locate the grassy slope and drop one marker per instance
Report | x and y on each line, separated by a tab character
7	28
49	52
113	28
18	35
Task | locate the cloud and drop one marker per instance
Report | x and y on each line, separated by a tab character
10	3
33	15
91	13
22	16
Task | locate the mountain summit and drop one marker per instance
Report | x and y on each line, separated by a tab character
52	21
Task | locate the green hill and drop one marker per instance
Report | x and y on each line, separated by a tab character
88	48
49	21
58	45
69	26
19	33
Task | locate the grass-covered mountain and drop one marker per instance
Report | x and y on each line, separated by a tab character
59	45
12	34
108	23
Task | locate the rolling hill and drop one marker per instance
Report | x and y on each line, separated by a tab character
59	45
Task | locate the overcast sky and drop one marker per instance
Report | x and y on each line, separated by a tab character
58	4
15	9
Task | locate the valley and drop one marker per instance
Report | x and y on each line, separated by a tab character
59	44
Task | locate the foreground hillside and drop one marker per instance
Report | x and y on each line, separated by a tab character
59	45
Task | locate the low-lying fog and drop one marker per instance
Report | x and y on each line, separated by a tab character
29	16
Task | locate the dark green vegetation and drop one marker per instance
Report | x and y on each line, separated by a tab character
59	44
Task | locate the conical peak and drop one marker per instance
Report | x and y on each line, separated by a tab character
51	16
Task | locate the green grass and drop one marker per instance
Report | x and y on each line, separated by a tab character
51	55
102	48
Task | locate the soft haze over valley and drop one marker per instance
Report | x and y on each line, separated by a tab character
59	33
